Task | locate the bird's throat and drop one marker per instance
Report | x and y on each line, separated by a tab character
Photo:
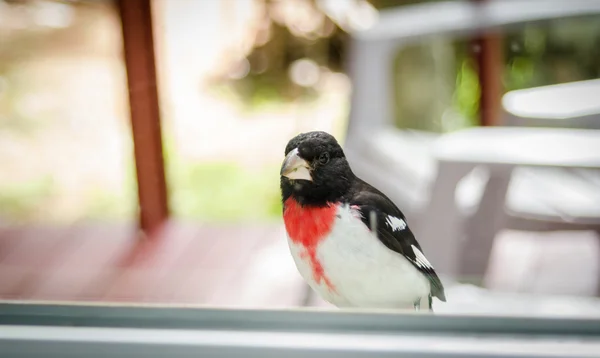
308	226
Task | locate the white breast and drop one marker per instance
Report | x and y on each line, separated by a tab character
363	271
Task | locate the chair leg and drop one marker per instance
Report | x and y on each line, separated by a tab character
482	227
598	263
440	227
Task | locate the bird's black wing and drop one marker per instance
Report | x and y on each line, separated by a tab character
380	215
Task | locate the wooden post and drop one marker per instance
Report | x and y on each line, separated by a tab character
490	63
136	20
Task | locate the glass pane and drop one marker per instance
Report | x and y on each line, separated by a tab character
237	80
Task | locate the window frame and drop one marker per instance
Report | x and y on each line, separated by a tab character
30	329
45	330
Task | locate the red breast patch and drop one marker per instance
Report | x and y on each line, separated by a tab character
308	226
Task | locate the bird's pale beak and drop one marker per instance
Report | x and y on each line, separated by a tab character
294	167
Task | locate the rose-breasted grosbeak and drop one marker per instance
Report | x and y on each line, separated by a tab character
348	240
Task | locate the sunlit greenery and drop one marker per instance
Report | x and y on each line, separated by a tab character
22	200
224	191
467	93
441	93
552	52
221	191
206	191
436	86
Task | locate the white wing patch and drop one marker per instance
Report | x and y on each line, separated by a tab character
420	259
395	223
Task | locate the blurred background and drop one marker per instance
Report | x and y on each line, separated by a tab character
236	79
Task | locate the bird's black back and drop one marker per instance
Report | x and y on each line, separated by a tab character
375	208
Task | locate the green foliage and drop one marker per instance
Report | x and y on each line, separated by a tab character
265	77
102	203
537	54
384	4
552	52
467	93
205	191
20	201
221	191
436	86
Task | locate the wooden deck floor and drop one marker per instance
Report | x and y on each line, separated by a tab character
185	263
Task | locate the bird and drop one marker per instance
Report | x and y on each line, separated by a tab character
348	240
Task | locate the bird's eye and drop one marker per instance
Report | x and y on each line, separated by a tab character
324	158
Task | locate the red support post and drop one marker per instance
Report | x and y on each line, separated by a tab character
490	63
138	43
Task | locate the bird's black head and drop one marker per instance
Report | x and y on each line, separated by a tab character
315	170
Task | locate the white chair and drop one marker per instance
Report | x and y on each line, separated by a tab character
508	193
565	105
541	199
